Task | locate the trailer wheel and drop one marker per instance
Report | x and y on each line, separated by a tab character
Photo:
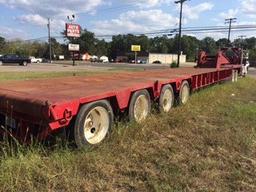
140	106
184	93
93	123
166	100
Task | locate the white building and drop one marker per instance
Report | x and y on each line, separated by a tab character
166	58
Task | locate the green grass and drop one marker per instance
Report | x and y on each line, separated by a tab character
9	76
207	145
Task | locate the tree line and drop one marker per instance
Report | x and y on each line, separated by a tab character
121	45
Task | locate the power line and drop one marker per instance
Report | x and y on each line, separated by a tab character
205	29
188	29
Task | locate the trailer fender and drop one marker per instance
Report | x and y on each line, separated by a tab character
123	98
178	85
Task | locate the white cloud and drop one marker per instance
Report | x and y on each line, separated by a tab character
136	21
193	12
39	10
50	8
231	13
248	6
148	20
148	3
56	24
33	19
11	33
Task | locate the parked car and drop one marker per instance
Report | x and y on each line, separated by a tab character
11	58
36	60
104	59
94	58
157	62
61	57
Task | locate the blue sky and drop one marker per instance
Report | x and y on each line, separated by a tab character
27	19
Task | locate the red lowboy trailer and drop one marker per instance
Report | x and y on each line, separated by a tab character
87	105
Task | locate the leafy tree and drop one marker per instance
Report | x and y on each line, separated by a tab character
2	43
252	54
87	42
208	44
190	46
121	45
101	47
159	45
250	43
117	46
224	42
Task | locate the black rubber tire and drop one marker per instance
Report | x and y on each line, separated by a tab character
183	85
161	101
79	136
133	101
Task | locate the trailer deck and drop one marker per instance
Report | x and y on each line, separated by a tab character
47	105
59	90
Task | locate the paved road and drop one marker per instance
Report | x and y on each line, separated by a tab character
46	67
252	72
62	67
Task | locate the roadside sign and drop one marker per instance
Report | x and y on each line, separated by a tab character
136	48
73	47
73	30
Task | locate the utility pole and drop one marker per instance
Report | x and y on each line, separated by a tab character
180	26
49	39
230	21
241	37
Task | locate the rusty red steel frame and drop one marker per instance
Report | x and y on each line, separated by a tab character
43	106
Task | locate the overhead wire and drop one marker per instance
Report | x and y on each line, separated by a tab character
185	30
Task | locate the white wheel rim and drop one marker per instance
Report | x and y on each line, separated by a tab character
141	108
167	100
96	125
185	94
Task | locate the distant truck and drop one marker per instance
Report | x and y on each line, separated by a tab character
12	58
36	60
104	59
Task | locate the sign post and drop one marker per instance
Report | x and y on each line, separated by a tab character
136	49
73	48
73	31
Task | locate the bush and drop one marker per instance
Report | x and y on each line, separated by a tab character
173	65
